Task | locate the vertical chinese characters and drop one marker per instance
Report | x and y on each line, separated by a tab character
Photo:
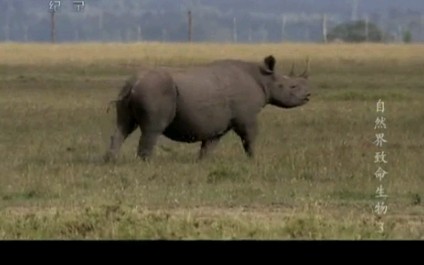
380	158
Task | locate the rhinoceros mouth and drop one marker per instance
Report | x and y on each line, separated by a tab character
307	98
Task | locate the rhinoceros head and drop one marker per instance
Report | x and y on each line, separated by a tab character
285	91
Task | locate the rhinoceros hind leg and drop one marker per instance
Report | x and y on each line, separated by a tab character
146	144
125	126
116	141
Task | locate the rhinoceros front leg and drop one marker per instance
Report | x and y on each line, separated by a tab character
207	147
247	133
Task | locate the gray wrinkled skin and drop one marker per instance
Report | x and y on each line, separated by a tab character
201	104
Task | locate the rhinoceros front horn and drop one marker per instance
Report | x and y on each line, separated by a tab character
305	74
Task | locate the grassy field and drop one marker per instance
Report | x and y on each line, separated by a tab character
312	178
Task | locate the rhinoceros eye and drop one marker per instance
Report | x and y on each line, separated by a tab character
280	86
293	86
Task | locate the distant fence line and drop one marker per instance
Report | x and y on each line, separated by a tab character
305	25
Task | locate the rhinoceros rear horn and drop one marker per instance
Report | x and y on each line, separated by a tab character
269	63
292	73
305	74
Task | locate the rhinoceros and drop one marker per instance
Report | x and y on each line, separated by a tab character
203	103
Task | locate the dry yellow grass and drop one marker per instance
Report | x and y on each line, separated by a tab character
181	53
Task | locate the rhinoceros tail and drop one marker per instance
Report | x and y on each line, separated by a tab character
123	96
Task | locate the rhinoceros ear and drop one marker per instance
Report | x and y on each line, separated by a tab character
269	63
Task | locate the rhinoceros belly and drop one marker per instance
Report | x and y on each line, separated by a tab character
199	125
203	107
